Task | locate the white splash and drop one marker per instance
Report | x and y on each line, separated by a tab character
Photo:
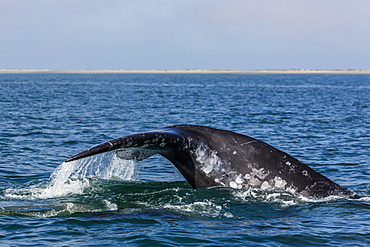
206	207
110	205
74	177
364	199
269	195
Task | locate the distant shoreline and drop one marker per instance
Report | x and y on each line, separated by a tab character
184	71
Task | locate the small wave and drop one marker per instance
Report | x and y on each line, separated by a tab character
363	199
46	211
280	197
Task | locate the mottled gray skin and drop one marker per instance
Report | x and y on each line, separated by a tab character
209	157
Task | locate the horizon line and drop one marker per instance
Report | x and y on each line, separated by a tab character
184	71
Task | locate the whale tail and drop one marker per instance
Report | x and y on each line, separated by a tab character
209	157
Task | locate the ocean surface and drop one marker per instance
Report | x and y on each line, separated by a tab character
323	120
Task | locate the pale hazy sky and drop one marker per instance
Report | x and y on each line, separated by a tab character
184	34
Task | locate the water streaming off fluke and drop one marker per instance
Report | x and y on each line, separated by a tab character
73	177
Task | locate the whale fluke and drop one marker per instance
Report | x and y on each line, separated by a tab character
209	157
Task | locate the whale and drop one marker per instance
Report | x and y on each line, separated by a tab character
209	157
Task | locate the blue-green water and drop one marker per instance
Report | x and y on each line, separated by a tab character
323	120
